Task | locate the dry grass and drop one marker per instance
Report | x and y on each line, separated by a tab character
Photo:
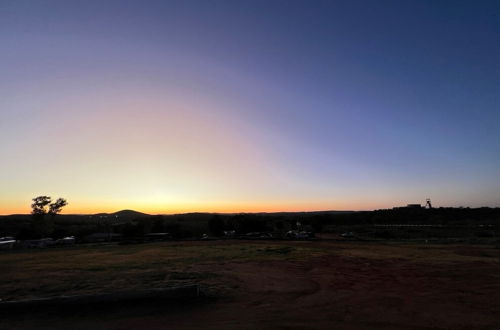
266	284
92	269
428	253
83	270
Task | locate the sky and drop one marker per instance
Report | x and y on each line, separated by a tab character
249	106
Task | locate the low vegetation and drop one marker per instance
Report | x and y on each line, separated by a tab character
79	270
481	224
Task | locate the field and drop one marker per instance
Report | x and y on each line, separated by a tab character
263	285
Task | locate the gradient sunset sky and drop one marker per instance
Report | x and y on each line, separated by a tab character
239	106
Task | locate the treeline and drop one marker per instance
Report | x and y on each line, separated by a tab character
434	216
198	224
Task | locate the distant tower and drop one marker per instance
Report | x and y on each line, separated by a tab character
428	203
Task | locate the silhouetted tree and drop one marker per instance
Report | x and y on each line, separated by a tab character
56	207
40	225
39	205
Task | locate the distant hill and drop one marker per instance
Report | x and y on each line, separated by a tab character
122	214
129	213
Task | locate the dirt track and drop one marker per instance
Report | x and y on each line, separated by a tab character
448	287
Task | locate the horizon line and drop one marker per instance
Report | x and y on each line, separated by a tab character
243	212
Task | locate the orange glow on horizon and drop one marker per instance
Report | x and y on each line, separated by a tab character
204	208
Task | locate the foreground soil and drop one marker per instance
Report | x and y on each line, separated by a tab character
277	285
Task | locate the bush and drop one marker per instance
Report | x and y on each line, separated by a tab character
216	226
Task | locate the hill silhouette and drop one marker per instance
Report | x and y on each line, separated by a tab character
129	213
124	213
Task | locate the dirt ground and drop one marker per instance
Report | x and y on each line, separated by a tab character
343	285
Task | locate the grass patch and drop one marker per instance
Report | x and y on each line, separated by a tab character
182	276
278	250
97	269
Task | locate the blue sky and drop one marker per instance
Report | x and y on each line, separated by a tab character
249	105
